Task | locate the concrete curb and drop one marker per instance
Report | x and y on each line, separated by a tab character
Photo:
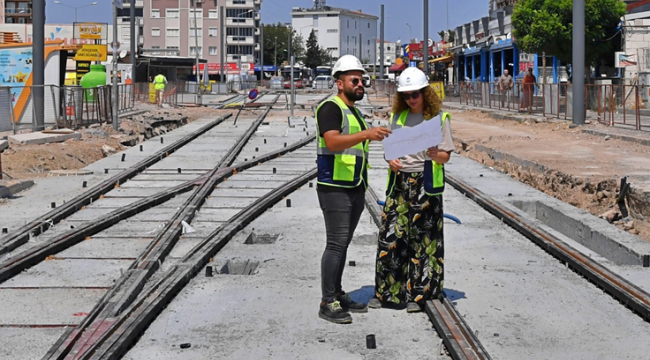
3	144
503	115
40	138
629	138
13	187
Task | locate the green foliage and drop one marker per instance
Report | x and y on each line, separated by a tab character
280	32
547	25
312	58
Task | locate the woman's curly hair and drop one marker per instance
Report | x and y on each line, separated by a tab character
432	103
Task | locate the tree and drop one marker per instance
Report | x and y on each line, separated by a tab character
452	35
280	32
313	56
546	26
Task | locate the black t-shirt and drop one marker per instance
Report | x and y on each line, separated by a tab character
330	117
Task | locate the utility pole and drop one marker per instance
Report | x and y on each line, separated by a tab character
360	49
578	62
292	86
275	57
115	119
381	44
426	38
134	39
38	59
222	79
199	100
262	51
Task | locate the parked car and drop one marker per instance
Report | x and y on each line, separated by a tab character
298	84
276	83
366	80
323	82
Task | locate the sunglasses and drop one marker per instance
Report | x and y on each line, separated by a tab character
408	96
356	81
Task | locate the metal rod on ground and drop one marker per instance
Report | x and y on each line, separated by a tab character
426	37
38	51
116	126
578	62
381	44
134	40
222	71
292	86
199	101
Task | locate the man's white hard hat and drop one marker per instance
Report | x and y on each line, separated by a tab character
347	63
412	79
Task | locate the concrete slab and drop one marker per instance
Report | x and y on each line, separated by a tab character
21	343
70	273
106	248
47	306
3	144
40	138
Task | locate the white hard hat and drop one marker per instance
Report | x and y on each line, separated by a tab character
412	79
347	63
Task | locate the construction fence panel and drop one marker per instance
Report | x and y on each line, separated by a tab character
6	113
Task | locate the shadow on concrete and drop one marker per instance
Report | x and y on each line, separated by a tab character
364	294
454	295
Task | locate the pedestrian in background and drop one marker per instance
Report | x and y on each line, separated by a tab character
159	84
505	87
410	264
342	162
528	88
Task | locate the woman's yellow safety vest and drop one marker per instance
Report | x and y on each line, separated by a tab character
434	173
347	168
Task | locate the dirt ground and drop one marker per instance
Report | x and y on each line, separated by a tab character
20	162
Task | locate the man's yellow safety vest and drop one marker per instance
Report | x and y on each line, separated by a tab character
159	82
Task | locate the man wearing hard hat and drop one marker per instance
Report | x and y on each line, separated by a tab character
342	158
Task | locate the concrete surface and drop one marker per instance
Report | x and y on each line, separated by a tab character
40	138
13	187
3	144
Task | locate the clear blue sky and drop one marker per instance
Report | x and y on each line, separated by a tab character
397	13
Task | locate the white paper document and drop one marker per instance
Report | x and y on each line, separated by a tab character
410	140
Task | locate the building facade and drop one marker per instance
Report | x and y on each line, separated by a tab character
170	29
391	51
16	12
124	25
339	31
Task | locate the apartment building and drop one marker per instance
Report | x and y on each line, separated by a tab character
391	52
16	12
340	31
124	24
170	29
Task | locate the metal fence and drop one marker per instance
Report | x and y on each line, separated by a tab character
385	88
63	106
613	105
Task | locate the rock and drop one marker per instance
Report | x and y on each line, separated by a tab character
116	137
52	157
634	231
607	137
628	225
606	193
610	215
97	132
107	150
587	121
131	141
600	195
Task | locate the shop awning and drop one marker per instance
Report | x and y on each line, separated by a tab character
396	67
446	58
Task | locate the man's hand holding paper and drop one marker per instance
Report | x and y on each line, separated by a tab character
410	140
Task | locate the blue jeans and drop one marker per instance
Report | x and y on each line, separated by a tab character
341	210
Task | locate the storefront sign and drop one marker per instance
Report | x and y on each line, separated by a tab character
91	53
95	31
82	68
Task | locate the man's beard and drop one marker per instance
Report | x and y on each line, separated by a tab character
352	94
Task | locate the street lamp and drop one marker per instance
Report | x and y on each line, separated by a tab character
75	7
410	37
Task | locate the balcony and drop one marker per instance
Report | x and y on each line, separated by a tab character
18	12
257	47
257	31
257	2
246	22
244	58
239	4
240	40
257	15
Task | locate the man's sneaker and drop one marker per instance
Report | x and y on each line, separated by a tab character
374	303
413	307
352	306
333	312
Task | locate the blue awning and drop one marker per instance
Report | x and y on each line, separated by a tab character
502	45
472	51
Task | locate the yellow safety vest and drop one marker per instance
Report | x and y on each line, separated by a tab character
159	82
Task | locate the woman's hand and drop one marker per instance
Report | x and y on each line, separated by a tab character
395	165
432	153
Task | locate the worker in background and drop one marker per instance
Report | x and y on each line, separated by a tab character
410	251
159	84
342	161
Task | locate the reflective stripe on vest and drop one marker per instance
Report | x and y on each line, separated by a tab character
347	168
434	173
159	82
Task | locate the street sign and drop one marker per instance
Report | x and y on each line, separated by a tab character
89	52
253	94
412	64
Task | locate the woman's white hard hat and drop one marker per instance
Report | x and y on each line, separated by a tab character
412	79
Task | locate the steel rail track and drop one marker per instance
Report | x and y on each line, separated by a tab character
460	340
621	289
119	333
132	282
20	236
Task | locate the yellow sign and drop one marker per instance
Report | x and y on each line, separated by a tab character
152	93
91	53
90	31
439	88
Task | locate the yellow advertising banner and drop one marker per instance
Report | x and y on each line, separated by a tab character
96	31
91	53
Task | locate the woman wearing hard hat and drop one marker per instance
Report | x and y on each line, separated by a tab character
410	250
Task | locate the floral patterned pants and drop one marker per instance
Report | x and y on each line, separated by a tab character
410	252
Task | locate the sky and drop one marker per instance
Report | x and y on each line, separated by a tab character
397	13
